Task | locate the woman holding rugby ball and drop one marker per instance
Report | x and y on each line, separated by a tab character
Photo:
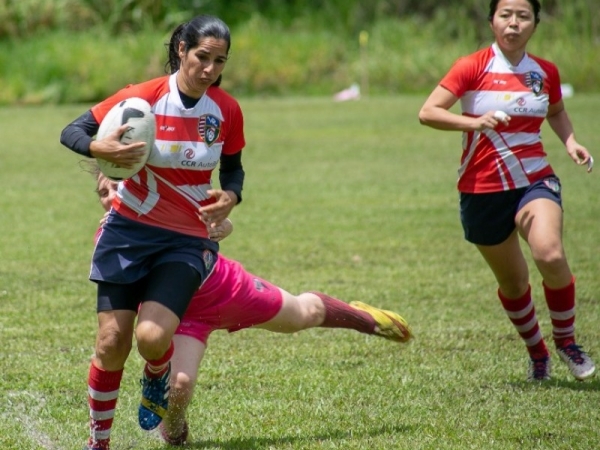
154	251
508	190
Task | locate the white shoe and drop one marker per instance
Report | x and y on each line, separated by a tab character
580	364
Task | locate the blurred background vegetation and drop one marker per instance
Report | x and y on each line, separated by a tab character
65	51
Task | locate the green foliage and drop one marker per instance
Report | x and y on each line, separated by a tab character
354	199
256	66
27	17
65	68
279	48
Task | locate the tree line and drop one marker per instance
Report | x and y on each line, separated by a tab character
23	18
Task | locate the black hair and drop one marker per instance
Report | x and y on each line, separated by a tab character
190	33
535	4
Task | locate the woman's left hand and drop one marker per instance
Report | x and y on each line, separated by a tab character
580	155
215	213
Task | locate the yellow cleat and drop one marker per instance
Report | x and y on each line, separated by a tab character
389	324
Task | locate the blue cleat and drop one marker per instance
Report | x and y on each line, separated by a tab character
155	400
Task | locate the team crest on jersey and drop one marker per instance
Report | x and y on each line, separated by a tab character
535	82
209	128
553	184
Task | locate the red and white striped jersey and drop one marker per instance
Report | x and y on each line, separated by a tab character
512	156
189	142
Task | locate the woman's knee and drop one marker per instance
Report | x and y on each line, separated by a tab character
311	311
182	384
549	256
152	340
181	392
515	285
112	346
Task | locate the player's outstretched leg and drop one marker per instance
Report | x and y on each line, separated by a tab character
389	325
364	318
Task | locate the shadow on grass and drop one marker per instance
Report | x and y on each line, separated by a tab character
572	384
257	443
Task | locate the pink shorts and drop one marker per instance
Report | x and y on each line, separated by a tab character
230	299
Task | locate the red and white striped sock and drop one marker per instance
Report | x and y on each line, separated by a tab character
521	312
339	314
157	367
561	303
103	391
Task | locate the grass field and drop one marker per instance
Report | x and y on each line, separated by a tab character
355	199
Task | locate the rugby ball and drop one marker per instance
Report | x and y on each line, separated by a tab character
137	113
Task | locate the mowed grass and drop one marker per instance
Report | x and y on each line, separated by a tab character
354	199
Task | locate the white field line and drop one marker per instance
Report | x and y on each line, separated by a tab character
25	408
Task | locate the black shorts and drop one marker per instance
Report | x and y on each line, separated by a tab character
489	219
134	262
172	284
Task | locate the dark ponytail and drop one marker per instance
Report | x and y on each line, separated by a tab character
172	64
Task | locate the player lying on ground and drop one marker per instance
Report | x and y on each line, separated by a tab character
233	299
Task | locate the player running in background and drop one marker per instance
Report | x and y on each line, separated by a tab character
233	299
507	187
153	251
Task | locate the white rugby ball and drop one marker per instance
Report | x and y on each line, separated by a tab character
137	113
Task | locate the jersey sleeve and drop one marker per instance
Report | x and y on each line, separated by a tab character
78	134
234	140
460	76
554	93
150	91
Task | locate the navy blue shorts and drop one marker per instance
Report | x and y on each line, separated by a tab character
126	261
489	219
